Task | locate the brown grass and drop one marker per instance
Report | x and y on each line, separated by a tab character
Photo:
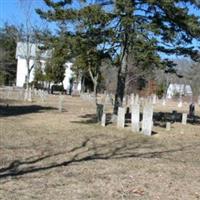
46	155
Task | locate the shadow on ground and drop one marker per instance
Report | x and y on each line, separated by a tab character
14	110
89	150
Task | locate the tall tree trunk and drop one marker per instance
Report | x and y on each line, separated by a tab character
83	84
95	91
95	82
122	72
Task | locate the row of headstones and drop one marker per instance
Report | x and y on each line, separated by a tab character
87	97
147	122
11	93
23	94
30	93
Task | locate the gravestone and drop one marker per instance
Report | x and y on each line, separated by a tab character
132	99
121	117
30	95
184	118
136	99
135	118
154	100
60	103
25	94
147	122
99	112
103	120
168	126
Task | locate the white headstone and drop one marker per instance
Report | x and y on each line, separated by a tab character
137	98
154	99
30	95
25	94
147	122
132	99
121	117
103	120
168	126
135	118
184	118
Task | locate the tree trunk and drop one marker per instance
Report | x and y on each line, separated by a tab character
95	91
121	83
83	84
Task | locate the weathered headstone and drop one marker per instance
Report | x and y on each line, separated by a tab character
103	120
25	94
121	117
29	95
168	126
135	118
137	98
99	112
147	122
154	99
184	118
132	99
60	103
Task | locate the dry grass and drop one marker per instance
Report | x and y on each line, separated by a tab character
50	155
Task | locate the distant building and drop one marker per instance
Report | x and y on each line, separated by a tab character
179	89
31	50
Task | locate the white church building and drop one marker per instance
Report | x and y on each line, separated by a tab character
31	50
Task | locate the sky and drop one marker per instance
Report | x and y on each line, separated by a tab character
12	12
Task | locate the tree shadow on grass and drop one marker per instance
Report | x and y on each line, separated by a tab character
92	119
14	110
89	150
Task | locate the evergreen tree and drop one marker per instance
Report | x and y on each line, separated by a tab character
8	63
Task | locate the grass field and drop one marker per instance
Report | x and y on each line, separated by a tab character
48	155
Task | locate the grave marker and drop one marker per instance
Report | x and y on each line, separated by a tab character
60	103
103	120
168	126
147	122
184	118
135	118
121	117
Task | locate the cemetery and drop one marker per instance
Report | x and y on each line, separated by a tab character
100	100
54	141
